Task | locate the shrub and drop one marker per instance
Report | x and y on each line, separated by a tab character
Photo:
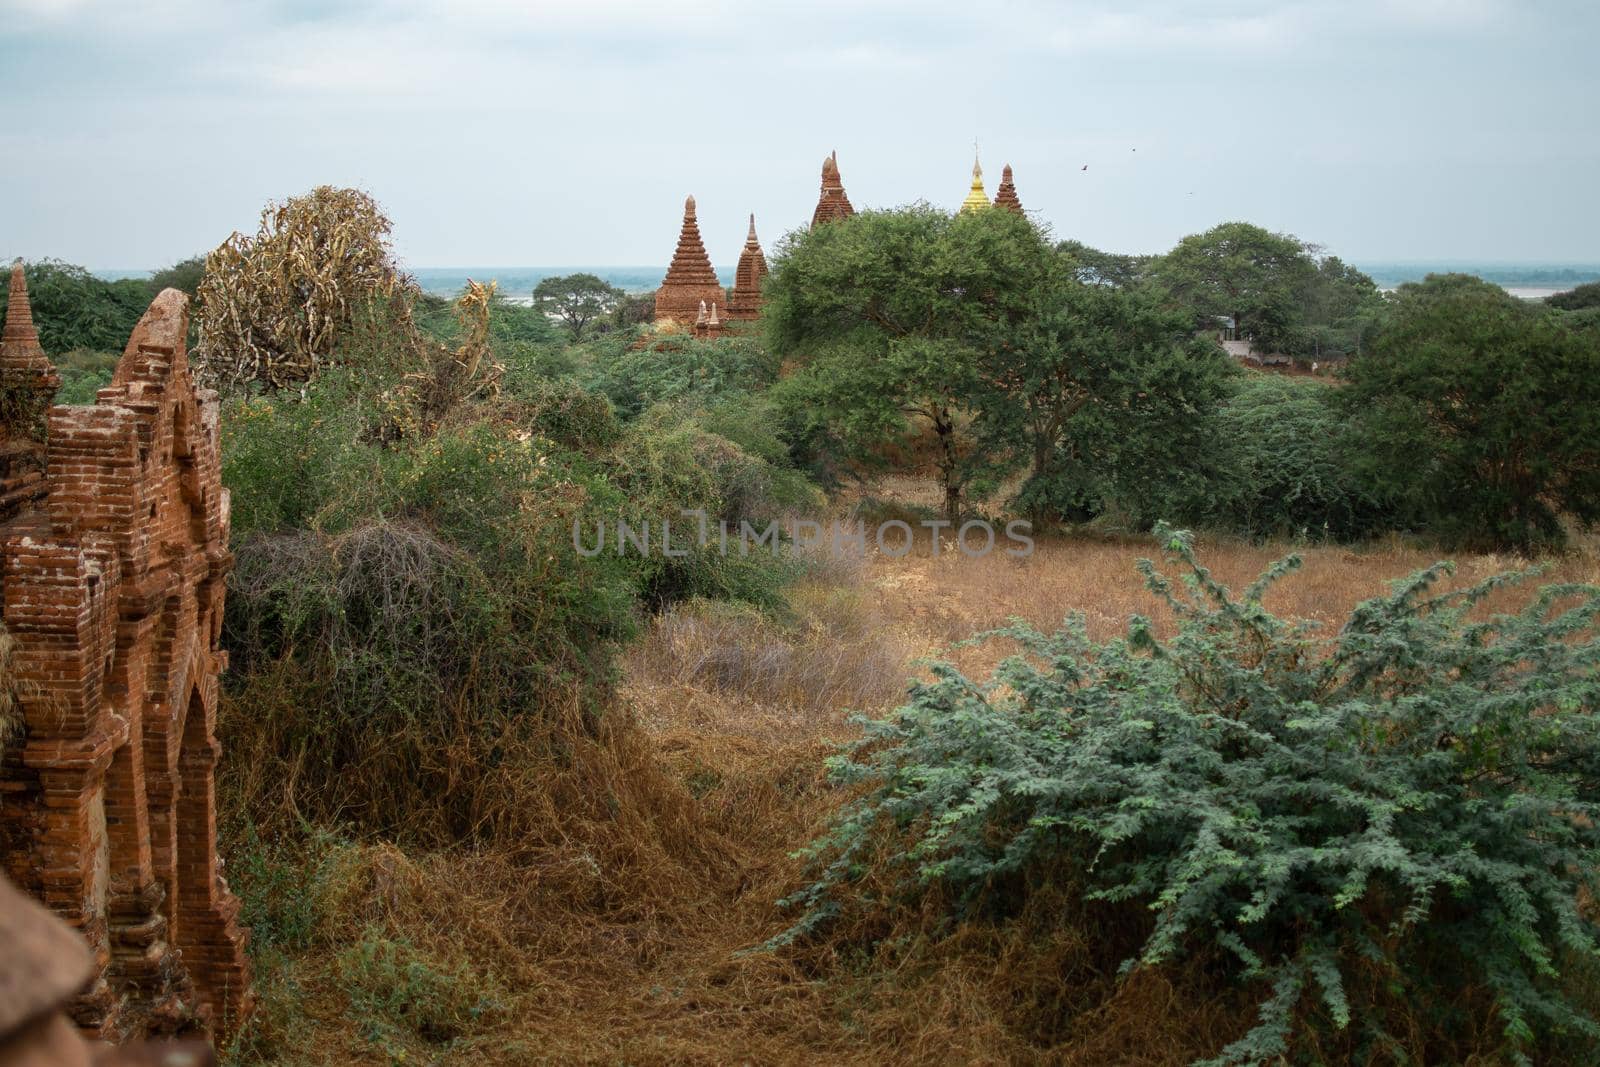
1390	833
1477	415
74	309
273	307
1286	469
678	368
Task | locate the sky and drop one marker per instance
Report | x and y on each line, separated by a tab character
500	133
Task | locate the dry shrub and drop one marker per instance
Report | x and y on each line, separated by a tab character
626	868
273	305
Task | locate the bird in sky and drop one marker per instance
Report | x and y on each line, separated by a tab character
1086	166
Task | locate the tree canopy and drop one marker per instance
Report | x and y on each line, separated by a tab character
577	299
1480	414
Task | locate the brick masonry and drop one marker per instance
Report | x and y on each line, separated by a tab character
114	560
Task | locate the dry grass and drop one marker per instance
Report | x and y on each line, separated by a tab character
646	861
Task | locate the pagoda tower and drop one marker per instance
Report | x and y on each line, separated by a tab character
976	197
690	279
28	384
1007	194
745	301
22	359
832	204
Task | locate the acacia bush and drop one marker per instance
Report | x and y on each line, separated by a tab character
1390	834
1284	465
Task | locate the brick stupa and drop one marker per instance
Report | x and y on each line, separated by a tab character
690	279
832	204
745	301
22	359
1006	196
28	384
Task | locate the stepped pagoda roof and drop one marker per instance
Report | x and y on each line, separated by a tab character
22	358
833	203
745	301
1006	196
690	279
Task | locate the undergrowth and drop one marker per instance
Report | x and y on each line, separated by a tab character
1388	836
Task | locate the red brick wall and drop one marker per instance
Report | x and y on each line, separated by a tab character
112	592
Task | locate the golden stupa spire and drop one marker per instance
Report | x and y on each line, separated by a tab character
976	197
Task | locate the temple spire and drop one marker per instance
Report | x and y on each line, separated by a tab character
22	358
690	280
833	203
1006	196
745	301
976	197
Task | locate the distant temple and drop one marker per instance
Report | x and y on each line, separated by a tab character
692	298
1006	196
690	281
832	204
745	302
976	197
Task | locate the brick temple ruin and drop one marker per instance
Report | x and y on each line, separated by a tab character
1006	195
114	524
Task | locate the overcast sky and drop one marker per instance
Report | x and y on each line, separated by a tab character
133	134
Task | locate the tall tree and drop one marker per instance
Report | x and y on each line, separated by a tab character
1243	272
1480	414
1108	396
577	299
892	314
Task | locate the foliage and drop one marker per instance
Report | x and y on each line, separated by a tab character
1094	267
1239	271
73	309
83	374
398	990
184	275
1285	449
634	309
401	612
1479	415
1581	298
1278	293
677	368
274	305
1112	399
893	312
1391	828
667	463
577	299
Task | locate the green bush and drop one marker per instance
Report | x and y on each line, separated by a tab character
1477	415
680	369
1286	465
1395	829
83	374
74	309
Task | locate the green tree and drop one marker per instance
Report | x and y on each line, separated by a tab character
1115	269
185	275
1110	398
73	309
894	313
1480	414
1579	299
1243	272
1342	309
578	299
1388	833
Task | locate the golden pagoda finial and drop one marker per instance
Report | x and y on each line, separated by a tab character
976	197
